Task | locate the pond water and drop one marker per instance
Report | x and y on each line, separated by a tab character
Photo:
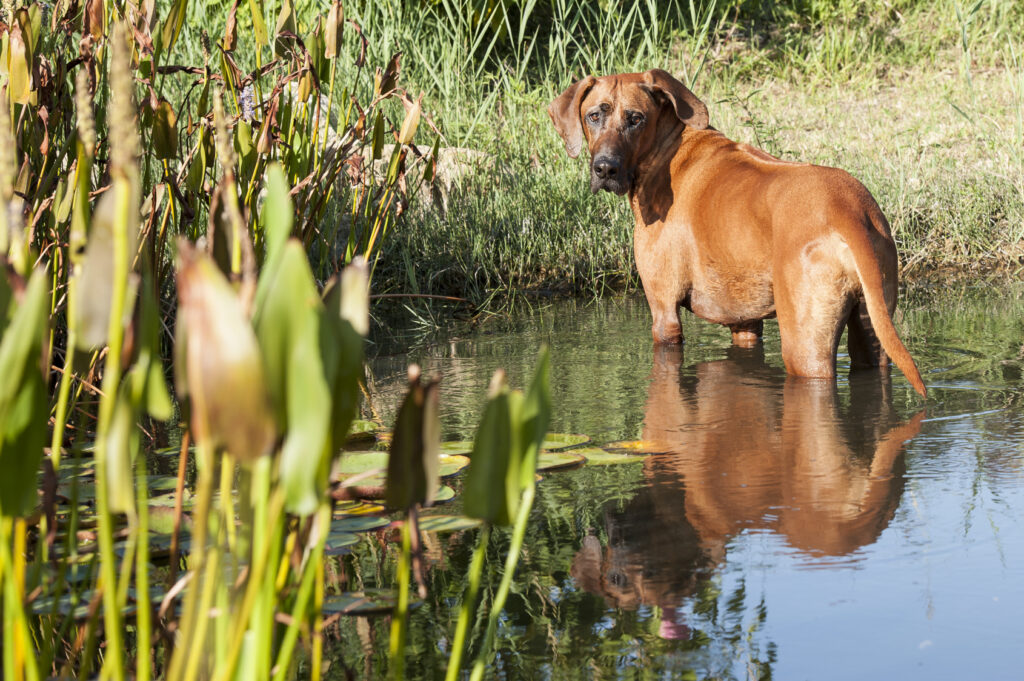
794	529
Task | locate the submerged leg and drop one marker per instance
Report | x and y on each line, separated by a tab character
747	334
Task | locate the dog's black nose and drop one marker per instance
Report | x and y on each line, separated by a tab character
606	168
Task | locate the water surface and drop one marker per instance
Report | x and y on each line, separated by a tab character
790	528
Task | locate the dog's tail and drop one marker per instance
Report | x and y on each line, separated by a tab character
871	285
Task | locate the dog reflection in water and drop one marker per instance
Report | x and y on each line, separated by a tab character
746	447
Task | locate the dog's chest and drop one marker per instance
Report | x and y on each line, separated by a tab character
730	297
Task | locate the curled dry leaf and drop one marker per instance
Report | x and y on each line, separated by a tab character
223	369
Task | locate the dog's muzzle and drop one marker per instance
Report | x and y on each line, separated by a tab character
607	173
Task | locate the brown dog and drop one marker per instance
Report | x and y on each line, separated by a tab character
734	234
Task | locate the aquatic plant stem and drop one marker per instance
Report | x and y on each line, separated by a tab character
112	620
399	619
19	659
299	611
511	559
143	618
468	604
188	624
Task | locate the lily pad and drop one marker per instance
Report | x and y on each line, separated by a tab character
68	604
167	500
344	509
444	495
162	483
356	463
361	432
340	542
447	523
598	457
554	442
159	545
634	447
368	602
457	447
359	524
558	461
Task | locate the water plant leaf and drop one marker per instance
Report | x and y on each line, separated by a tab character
413	461
285	23
22	438
558	461
595	456
339	542
259	26
457	447
345	509
289	324
445	493
222	368
171	28
359	524
355	463
19	62
490	493
346	323
97	274
366	602
23	401
148	385
411	122
165	133
277	214
122	440
334	30
557	441
447	523
536	414
378	136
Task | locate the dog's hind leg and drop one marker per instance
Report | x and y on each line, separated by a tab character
812	301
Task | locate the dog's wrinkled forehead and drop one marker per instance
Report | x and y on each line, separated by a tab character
617	93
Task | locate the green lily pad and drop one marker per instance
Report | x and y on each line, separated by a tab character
368	602
558	461
68	604
356	463
161	483
447	523
554	442
167	500
598	457
339	542
344	509
444	495
159	545
457	447
361	432
634	447
359	524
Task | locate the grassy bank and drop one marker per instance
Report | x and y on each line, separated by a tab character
922	101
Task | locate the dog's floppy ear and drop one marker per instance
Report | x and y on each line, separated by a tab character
565	114
689	109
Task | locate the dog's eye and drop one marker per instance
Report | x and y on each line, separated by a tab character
594	116
635	119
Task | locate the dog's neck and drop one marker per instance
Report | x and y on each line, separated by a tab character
651	194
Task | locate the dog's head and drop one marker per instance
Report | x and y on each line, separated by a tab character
622	118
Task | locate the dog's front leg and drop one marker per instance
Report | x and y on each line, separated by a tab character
666	327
